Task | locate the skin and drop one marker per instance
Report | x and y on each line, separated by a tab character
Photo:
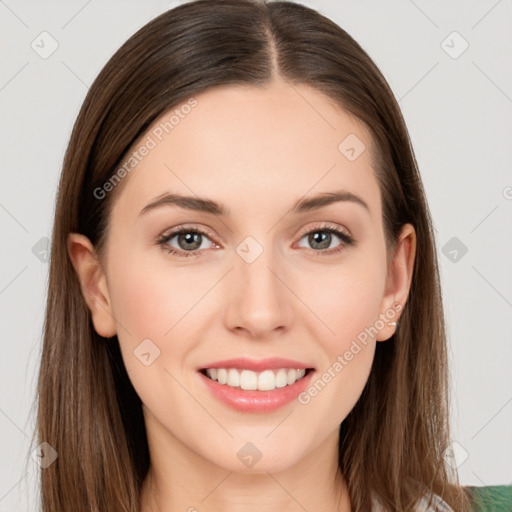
257	151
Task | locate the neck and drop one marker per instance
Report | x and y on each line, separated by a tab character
179	479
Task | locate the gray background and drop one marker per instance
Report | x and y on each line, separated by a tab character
458	108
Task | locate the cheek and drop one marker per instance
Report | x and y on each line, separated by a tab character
153	300
342	376
348	306
150	304
346	301
149	299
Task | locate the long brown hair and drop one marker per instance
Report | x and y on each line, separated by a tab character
392	443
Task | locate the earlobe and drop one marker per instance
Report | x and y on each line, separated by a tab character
93	283
398	281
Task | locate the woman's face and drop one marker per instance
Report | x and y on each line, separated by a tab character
264	280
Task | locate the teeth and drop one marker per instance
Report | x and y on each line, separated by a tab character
222	376
233	378
266	381
248	380
281	379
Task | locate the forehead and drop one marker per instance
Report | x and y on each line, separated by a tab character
250	147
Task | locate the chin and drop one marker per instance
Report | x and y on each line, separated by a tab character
258	457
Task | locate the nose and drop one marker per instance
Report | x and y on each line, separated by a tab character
258	304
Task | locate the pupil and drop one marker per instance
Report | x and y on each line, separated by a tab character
322	238
190	238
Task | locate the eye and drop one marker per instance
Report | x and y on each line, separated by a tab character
188	241
185	241
321	238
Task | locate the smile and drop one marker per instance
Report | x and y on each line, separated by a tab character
258	386
249	380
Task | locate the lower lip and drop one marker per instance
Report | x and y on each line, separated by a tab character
256	401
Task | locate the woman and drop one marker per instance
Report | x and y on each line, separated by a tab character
244	309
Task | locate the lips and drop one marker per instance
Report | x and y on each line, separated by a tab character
256	385
244	363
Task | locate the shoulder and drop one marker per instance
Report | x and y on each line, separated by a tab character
491	498
436	505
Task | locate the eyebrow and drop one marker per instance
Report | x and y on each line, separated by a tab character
205	205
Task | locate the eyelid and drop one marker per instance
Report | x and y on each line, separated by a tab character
324	225
172	232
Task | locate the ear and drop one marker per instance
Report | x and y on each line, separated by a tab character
93	283
398	281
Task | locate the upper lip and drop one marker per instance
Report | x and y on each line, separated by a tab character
257	365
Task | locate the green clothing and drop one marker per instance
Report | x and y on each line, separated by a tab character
492	498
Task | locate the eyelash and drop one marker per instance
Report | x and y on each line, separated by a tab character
346	240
